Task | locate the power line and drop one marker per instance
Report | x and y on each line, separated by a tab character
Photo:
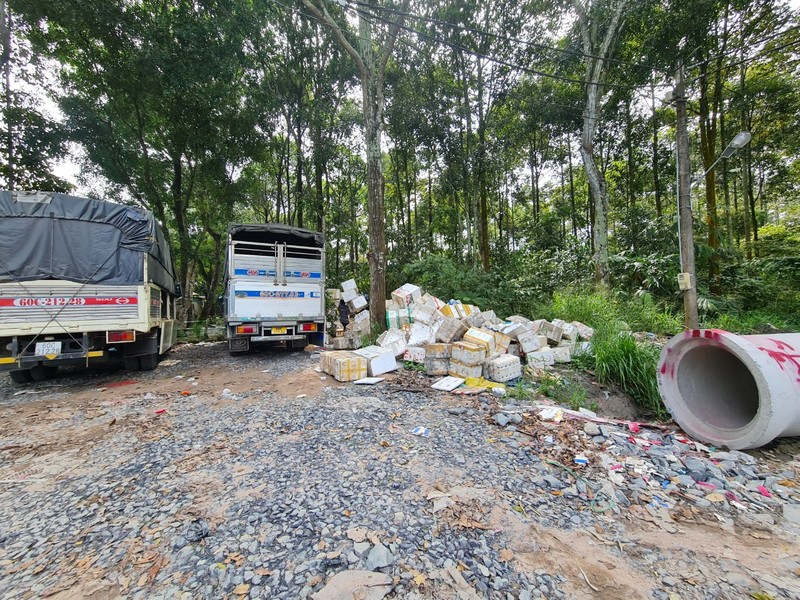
503	37
497	60
465	28
748	59
765	40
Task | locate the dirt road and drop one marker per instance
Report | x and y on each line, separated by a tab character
260	477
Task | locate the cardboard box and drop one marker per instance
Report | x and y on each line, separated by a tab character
541	358
458	369
450	330
394	340
406	295
414	354
379	360
468	353
357	304
481	337
504	368
437	366
438	351
423	313
501	342
350	284
528	342
420	335
343	365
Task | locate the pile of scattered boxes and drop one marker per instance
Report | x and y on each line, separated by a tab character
359	316
457	339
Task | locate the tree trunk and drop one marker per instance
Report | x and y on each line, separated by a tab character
656	183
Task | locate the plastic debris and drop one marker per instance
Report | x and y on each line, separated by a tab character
421	431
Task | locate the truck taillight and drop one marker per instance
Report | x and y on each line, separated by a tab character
308	327
246	329
120	336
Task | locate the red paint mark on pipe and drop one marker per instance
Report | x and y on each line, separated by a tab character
781	357
781	345
695	333
713	334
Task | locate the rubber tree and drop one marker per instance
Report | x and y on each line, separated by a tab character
372	70
599	28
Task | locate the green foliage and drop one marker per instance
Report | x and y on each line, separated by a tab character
412	366
631	365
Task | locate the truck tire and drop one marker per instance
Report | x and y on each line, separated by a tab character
20	375
297	345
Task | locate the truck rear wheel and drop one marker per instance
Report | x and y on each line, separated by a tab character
297	345
20	376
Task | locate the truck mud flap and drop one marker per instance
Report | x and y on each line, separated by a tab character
239	344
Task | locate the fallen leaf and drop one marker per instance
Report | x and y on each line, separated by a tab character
263	572
242	589
419	578
385	444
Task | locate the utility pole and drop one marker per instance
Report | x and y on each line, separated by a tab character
686	280
5	33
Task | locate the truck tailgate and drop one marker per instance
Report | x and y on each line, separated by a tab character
32	304
253	301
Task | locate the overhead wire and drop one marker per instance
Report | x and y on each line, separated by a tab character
532	44
498	60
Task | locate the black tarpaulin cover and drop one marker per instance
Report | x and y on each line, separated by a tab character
276	233
57	236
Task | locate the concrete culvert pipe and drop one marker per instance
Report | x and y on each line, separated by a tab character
732	391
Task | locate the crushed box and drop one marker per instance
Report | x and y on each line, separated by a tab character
450	330
528	342
379	360
394	339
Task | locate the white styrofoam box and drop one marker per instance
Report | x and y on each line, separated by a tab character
414	354
359	324
571	344
397	317
406	295
379	360
432	301
458	369
584	331
423	313
489	316
528	341
437	366
475	319
541	358
570	331
357	304
468	353
540	326
513	330
420	335
447	384
349	295
519	319
342	343
562	354
394	340
451	330
438	351
504	368
350	284
582	348
542	341
481	337
555	334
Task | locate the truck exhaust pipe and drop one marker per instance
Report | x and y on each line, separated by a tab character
732	391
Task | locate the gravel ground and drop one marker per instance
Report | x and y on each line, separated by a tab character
260	477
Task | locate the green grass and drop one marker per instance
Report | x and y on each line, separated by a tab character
569	393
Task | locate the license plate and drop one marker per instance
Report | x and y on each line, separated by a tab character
279	331
47	348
